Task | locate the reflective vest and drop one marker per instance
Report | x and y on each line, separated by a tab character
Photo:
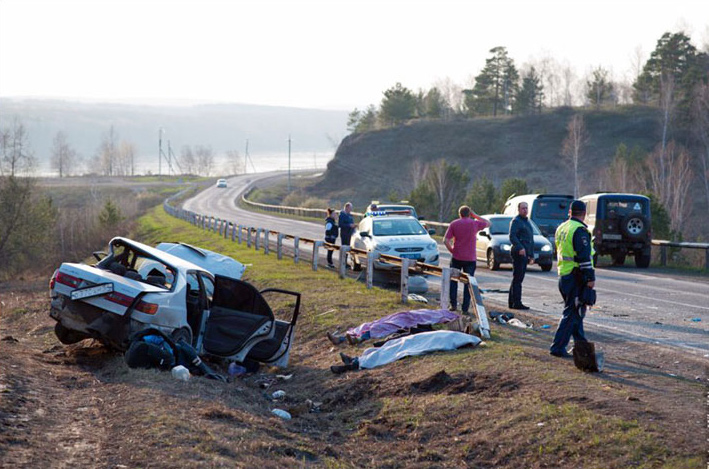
564	240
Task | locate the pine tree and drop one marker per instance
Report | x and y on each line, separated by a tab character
495	87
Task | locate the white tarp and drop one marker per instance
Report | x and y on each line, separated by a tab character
416	344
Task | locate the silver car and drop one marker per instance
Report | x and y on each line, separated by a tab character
186	292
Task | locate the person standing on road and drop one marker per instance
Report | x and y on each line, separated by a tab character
460	242
575	268
331	232
522	250
347	224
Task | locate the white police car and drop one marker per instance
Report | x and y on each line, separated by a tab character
395	235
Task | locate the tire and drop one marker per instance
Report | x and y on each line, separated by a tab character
618	259
545	267
634	226
182	333
67	336
492	262
642	260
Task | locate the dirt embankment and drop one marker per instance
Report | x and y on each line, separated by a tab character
505	406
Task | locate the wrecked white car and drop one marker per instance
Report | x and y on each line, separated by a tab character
188	293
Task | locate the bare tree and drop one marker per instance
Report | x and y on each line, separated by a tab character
106	157
64	156
568	78
448	183
670	179
126	158
205	159
16	155
572	148
234	163
700	127
452	93
188	163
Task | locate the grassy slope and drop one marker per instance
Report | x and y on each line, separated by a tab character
367	165
503	405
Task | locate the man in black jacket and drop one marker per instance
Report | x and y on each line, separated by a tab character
522	250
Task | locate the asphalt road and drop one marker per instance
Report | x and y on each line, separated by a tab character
637	304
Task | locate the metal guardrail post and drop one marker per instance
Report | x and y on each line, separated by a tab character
405	280
445	287
248	236
706	259
233	232
371	257
316	248
266	242
296	249
454	274
342	264
279	246
663	256
257	242
240	230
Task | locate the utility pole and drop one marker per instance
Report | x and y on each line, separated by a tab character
288	163
160	152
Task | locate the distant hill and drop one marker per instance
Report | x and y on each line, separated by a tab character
222	126
370	165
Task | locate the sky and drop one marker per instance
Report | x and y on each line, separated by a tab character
332	54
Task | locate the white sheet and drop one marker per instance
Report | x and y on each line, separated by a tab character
416	344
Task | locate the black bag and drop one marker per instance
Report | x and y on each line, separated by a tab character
588	296
585	357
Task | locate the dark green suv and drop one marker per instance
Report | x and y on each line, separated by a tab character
620	224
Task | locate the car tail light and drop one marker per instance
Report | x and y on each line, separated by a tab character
119	298
147	308
67	279
53	280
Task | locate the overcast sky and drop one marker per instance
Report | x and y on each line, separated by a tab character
334	54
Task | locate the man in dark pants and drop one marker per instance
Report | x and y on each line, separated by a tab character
346	223
522	250
460	240
575	267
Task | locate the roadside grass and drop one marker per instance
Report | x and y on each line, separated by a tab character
502	404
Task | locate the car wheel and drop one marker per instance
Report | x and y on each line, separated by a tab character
356	266
619	259
545	267
634	226
492	262
67	336
182	333
642	260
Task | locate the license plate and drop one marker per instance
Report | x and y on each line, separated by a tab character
612	236
94	290
410	256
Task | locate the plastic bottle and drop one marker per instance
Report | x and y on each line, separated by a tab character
235	369
282	414
181	373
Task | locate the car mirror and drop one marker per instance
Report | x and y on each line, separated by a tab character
431	231
364	234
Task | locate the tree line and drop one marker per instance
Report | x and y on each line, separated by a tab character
675	79
672	72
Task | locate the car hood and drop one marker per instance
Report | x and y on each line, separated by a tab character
504	238
394	241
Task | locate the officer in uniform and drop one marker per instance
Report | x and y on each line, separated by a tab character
575	267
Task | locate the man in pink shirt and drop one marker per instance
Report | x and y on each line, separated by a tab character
460	241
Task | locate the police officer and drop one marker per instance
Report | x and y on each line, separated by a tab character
575	267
